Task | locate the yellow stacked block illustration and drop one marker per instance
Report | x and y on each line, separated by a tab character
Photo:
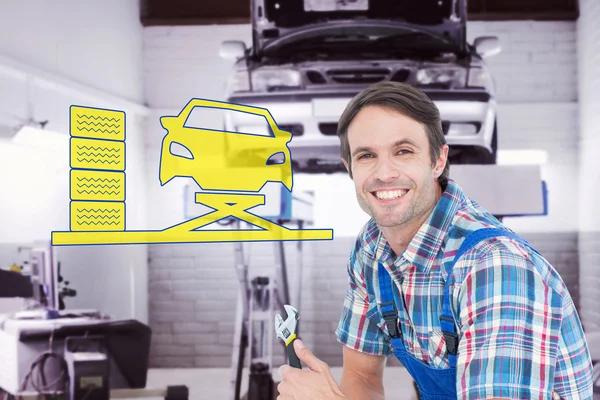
97	123
97	154
97	216
97	185
97	169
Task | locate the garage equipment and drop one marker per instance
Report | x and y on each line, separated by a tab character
262	296
286	331
72	354
256	302
15	284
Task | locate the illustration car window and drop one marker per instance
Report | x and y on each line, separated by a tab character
214	119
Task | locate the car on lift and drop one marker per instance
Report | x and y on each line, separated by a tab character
308	58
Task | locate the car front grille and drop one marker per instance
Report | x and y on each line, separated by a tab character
366	76
362	75
315	77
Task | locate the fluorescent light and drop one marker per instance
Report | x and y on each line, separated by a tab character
522	157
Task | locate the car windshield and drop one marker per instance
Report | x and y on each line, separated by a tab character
364	43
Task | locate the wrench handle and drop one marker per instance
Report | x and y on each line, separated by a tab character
293	359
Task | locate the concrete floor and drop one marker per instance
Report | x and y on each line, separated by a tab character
215	383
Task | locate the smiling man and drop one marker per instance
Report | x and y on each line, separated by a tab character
469	308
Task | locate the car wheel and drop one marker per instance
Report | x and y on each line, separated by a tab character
477	155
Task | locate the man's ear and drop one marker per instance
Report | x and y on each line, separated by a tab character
440	163
347	167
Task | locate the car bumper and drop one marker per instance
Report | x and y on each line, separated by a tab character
468	118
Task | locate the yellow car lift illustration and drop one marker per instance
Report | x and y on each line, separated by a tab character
219	161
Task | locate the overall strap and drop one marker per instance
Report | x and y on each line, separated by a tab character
446	318
388	305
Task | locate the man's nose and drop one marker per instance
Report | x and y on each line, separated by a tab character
387	170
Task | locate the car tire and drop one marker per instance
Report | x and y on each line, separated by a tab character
478	155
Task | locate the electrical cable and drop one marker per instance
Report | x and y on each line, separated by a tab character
90	390
43	389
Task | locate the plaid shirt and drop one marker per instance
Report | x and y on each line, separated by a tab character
520	335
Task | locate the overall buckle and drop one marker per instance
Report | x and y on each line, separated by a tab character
451	342
451	338
391	318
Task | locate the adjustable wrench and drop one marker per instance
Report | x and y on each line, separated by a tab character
286	330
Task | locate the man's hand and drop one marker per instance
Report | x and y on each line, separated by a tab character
314	383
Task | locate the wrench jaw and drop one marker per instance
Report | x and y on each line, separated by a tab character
291	311
278	323
285	329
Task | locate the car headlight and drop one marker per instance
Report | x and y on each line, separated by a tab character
442	77
455	78
238	82
480	78
267	79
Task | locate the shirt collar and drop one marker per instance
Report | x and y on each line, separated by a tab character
423	249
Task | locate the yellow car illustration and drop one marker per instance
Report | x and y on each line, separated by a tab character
223	160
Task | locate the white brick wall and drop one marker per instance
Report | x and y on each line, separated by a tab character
194	286
538	62
588	36
183	62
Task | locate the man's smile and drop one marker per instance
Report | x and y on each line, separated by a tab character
389	195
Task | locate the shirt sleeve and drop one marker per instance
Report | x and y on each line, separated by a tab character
512	334
355	329
574	368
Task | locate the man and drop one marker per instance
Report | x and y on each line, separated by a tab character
483	318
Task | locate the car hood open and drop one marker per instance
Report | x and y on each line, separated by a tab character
274	21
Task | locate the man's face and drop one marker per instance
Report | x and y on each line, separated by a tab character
392	170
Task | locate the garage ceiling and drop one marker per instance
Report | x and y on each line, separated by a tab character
208	12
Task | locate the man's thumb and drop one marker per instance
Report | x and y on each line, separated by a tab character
306	356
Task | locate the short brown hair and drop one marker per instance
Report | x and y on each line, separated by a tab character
404	99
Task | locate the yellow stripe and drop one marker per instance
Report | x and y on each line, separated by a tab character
290	339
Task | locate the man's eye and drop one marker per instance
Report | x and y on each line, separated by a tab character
404	151
367	155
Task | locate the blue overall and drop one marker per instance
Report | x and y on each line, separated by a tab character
433	383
